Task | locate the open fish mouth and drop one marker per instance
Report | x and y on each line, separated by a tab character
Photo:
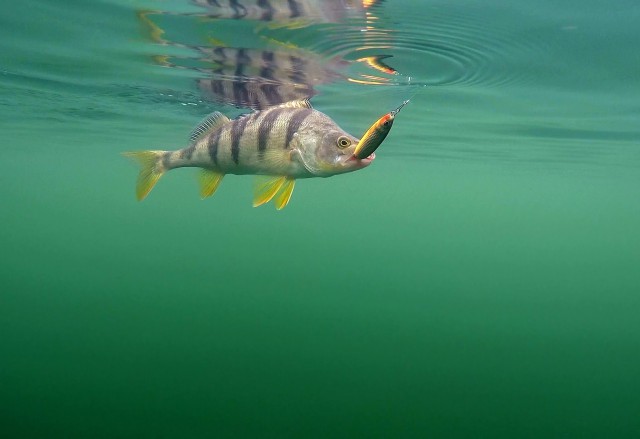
364	161
367	160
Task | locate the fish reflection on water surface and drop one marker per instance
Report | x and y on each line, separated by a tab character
261	77
320	11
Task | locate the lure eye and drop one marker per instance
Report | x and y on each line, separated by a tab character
343	142
386	123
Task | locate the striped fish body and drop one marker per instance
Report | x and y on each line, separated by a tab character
284	143
281	10
266	142
258	93
258	78
277	76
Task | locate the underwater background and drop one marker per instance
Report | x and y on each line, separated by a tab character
480	279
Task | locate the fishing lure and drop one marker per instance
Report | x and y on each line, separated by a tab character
376	134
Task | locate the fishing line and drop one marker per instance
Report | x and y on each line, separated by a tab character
418	89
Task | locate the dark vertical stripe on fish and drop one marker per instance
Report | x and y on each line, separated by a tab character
266	71
242	60
216	87
239	10
237	128
166	159
294	124
294	8
266	126
240	93
298	67
267	15
270	92
219	51
187	153
212	145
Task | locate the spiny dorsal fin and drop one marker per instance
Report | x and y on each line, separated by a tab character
210	123
302	103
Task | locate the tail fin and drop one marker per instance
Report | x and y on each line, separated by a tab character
151	170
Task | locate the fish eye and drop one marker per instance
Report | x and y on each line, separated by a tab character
343	142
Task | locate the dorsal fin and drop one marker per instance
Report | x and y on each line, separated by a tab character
210	123
302	103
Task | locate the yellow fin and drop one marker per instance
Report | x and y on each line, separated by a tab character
209	182
163	60
150	170
265	188
286	45
290	24
155	32
284	195
218	43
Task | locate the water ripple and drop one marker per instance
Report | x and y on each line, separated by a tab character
442	50
274	62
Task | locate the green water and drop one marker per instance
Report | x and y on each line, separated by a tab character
480	279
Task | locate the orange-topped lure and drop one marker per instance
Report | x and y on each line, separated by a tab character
376	134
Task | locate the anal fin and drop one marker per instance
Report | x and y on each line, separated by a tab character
283	197
209	181
265	188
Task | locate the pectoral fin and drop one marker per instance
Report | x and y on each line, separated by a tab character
278	159
209	182
265	188
284	195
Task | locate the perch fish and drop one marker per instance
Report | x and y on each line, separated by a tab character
280	144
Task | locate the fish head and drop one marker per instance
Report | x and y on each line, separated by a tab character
329	150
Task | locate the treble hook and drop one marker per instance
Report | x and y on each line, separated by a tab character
397	110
